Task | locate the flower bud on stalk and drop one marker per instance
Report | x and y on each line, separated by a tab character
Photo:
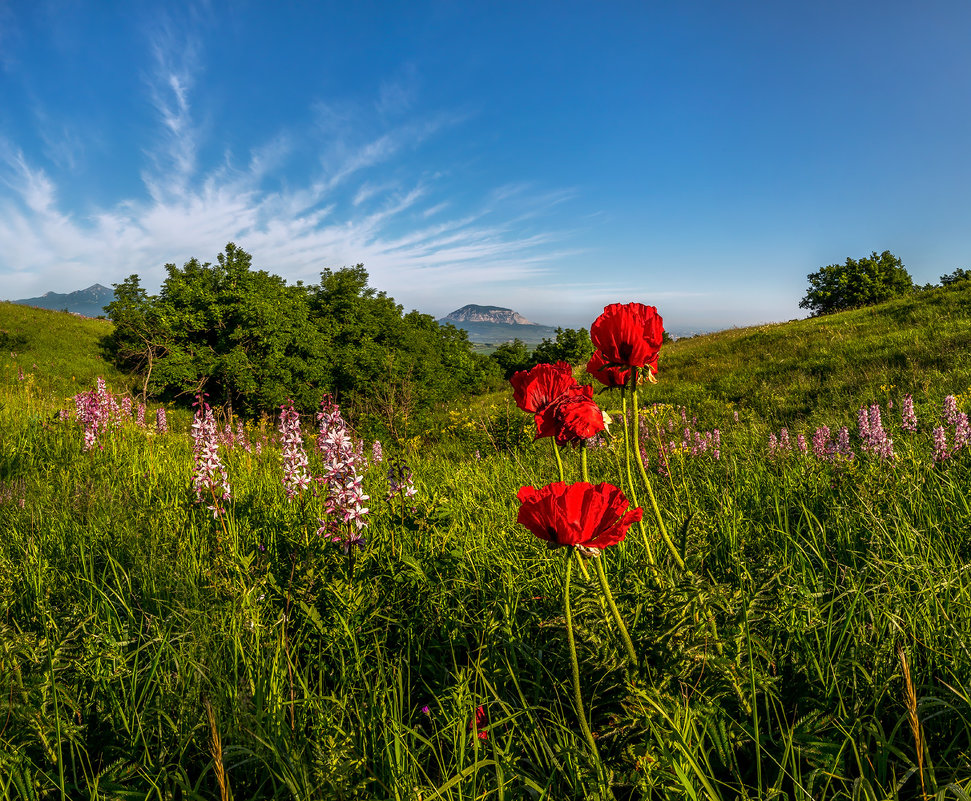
209	474
295	476
343	462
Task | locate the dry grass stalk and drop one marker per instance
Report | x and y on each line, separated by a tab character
911	700
216	750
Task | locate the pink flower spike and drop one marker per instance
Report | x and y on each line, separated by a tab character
296	477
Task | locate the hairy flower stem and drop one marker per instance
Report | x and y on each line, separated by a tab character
647	482
559	459
630	480
624	634
577	695
586	477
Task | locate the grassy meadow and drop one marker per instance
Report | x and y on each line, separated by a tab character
814	644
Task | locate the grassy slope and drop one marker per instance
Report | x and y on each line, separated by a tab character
783	372
59	349
787	372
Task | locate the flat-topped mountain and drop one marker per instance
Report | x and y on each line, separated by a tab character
496	324
486	314
90	302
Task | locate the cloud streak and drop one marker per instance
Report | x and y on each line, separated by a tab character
341	214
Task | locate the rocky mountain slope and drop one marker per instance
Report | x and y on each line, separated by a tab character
495	324
90	302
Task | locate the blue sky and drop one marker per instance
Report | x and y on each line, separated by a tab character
550	157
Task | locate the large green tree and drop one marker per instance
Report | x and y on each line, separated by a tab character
251	341
858	282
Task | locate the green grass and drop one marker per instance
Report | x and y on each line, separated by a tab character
60	350
803	370
150	651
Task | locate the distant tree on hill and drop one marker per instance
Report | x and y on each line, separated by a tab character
571	345
858	282
958	276
512	357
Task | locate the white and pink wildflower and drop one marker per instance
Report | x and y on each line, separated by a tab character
343	466
209	477
296	476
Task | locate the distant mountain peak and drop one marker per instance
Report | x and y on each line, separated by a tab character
89	302
473	313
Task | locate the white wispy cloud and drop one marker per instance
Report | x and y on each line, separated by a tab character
169	86
294	230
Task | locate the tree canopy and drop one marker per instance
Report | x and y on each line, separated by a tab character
858	282
571	345
960	275
251	341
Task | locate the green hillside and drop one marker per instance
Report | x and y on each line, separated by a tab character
60	350
782	372
793	371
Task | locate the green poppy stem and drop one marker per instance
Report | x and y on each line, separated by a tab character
630	480
559	460
647	482
624	634
583	462
577	695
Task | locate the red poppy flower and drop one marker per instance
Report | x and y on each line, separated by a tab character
478	723
535	389
628	334
571	417
593	516
607	374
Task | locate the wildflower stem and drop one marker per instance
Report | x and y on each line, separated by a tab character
577	695
647	482
559	460
586	477
624	634
630	478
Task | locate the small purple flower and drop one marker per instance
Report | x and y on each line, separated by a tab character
377	452
940	445
96	410
400	480
801	443
950	410
821	443
962	432
908	420
874	436
843	444
161	423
